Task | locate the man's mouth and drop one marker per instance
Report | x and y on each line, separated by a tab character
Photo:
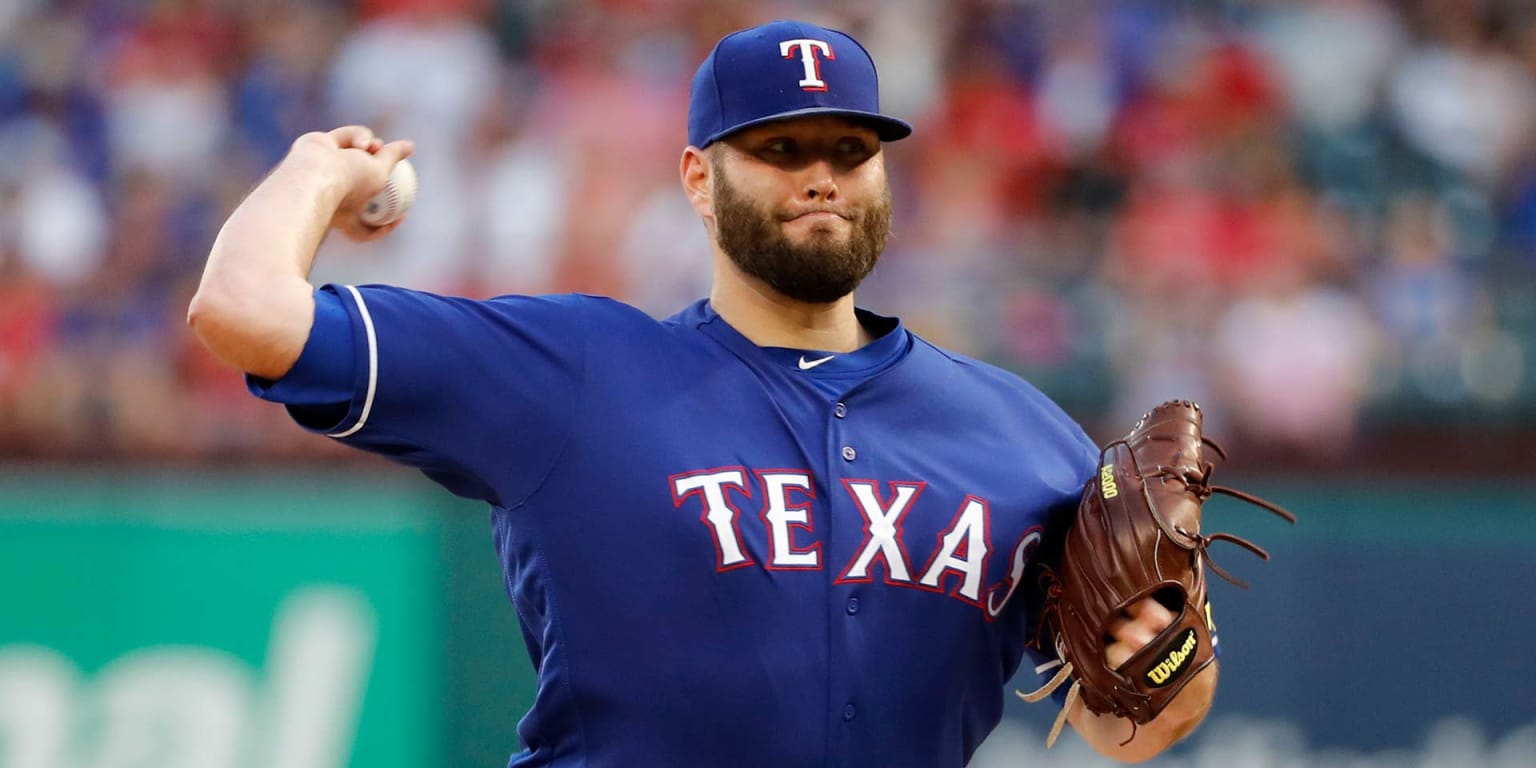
816	215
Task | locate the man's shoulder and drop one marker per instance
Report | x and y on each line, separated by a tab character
608	308
541	319
1004	396
602	306
606	316
510	302
983	375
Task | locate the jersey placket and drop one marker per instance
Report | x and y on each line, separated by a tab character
844	600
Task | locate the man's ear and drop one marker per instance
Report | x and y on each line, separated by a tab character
697	172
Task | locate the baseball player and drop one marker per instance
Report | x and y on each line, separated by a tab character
772	530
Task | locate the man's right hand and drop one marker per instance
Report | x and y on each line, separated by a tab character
254	306
357	163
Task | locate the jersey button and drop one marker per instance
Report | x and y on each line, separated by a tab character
840	410
853	605
849	713
849	454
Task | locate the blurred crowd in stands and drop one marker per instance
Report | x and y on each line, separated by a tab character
1316	217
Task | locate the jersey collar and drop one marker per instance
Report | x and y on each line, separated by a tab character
891	341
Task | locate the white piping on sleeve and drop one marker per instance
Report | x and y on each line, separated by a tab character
373	365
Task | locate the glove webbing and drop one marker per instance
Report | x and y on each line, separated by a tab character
1200	485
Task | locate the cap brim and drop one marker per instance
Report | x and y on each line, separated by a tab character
887	128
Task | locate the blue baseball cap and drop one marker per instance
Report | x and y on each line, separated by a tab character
780	70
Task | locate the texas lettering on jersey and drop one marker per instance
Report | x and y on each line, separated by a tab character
959	558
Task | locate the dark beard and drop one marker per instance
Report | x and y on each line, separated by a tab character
818	272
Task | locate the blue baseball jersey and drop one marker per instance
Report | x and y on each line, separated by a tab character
719	553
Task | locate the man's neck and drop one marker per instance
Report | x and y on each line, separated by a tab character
769	319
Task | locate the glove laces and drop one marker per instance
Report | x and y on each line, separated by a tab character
1199	484
1039	694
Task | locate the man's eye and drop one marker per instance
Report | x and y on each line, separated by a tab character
780	147
852	147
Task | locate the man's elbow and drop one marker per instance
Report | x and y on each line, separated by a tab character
258	334
221	323
206	306
220	317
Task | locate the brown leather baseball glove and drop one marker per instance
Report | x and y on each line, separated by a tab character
1137	535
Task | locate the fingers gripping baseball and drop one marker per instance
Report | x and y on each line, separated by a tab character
359	216
361	164
391	203
356	137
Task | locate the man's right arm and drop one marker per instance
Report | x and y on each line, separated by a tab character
254	306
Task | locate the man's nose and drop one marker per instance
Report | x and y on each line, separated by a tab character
820	182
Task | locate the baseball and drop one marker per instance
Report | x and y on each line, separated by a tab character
395	199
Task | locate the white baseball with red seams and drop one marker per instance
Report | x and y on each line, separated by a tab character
395	199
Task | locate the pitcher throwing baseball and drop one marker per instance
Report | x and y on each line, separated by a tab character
773	530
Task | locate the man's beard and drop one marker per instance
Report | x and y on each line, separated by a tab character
819	271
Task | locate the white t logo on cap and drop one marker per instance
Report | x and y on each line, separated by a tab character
808	48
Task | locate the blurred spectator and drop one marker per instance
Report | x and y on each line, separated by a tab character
522	197
26	330
1077	99
423	70
1435	314
1301	213
60	221
166	97
663	253
280	95
1294	362
1332	57
1461	98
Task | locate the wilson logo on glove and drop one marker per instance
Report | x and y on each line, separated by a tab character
1177	661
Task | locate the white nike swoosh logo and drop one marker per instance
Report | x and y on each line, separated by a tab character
806	365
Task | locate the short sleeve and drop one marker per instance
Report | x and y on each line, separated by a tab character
478	395
317	390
